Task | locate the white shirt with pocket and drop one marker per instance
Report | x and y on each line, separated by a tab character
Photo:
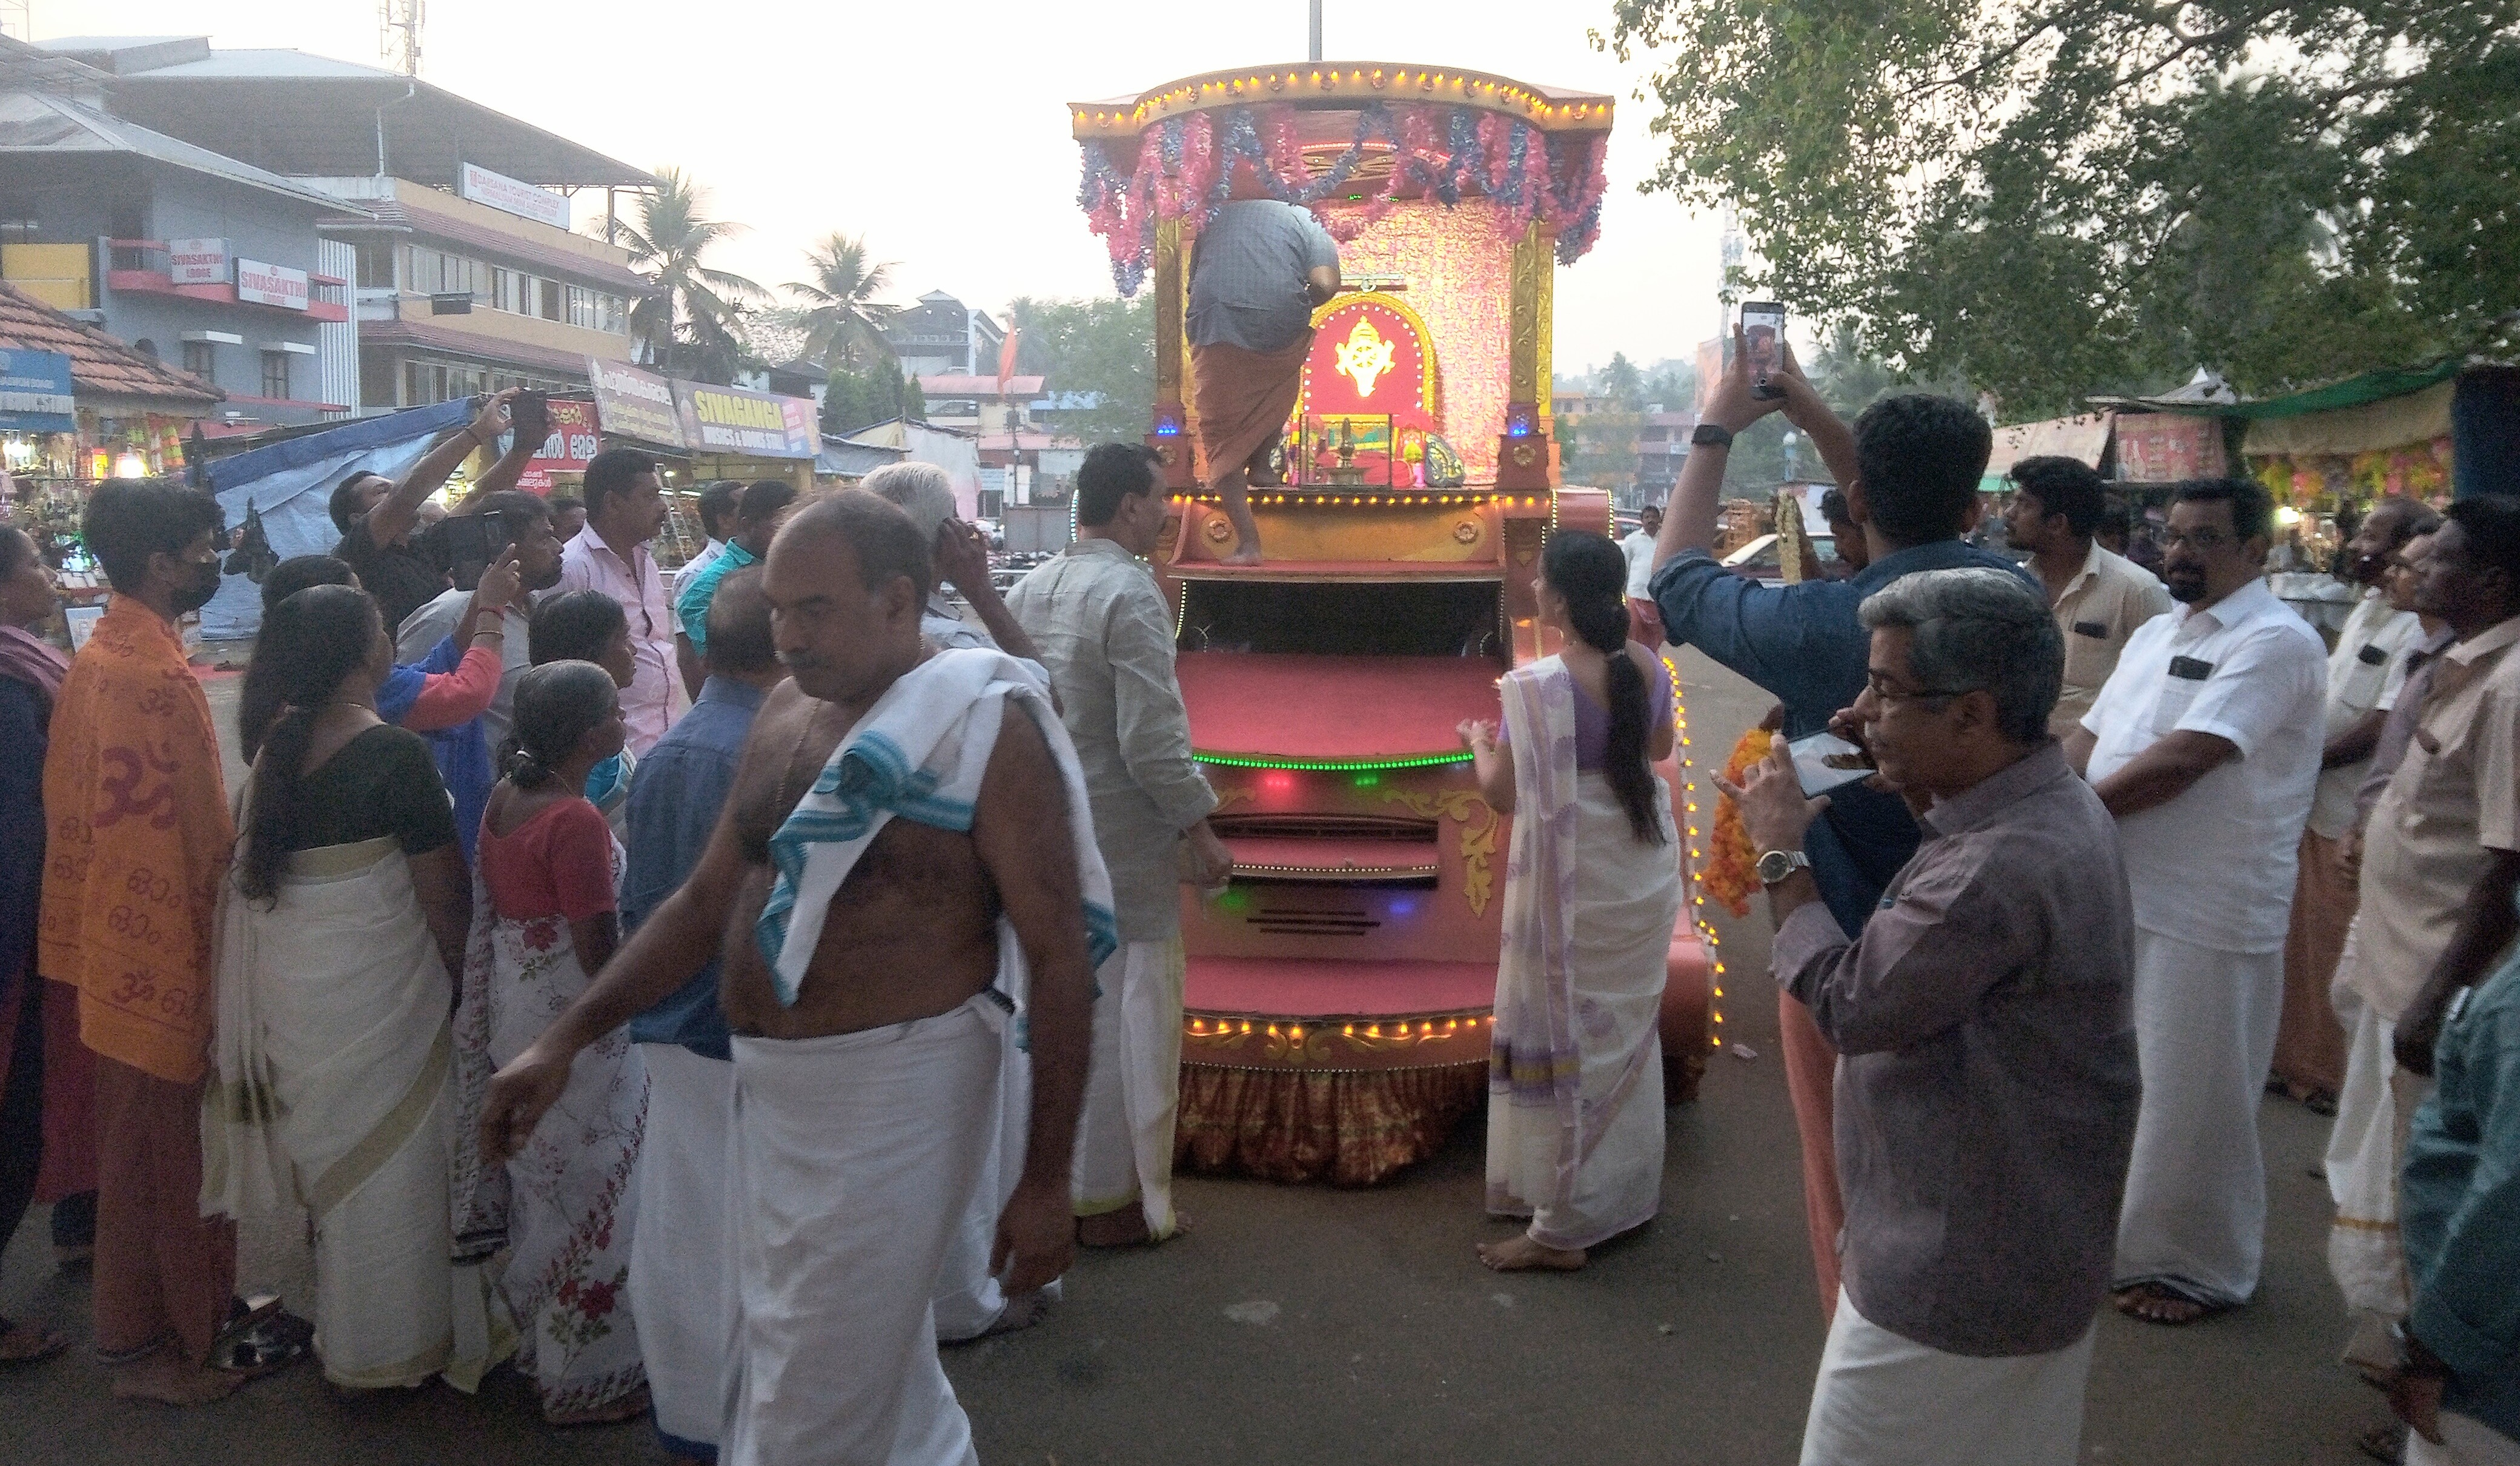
1639	547
2215	867
2361	680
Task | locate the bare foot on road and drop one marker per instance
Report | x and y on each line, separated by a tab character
171	1379
1523	1255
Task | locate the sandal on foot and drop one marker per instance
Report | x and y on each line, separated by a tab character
2167	1306
273	1340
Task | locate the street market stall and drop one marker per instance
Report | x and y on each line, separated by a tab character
78	407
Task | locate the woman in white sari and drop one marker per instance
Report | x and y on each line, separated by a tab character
1592	890
544	922
338	925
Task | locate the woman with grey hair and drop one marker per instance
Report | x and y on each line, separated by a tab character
925	493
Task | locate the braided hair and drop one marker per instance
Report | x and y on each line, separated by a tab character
558	704
1592	573
310	644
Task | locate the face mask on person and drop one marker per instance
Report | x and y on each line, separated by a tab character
194	594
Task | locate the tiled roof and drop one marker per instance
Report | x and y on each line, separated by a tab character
100	365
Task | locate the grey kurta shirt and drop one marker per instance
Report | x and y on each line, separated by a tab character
1987	1082
1107	635
1248	275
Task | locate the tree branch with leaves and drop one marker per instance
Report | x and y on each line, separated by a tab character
691	321
2052	199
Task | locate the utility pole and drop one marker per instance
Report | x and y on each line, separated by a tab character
1317	30
398	23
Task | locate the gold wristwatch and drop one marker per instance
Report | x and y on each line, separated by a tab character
1777	865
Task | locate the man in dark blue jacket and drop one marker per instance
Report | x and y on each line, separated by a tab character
1909	471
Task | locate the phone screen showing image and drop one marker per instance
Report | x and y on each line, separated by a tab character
1824	761
1763	335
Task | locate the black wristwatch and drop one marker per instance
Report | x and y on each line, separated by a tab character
1711	435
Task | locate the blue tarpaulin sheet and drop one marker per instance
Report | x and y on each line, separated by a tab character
290	482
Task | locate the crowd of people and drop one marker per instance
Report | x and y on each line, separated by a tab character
2135	847
705	995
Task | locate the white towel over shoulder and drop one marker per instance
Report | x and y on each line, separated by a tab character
918	753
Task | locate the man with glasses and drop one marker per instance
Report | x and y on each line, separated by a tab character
1987	1094
2205	744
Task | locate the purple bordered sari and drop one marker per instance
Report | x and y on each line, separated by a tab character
1575	1136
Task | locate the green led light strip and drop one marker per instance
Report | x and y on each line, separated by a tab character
1331	766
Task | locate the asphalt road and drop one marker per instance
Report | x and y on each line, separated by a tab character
1304	1324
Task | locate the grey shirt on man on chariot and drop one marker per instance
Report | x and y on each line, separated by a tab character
1248	274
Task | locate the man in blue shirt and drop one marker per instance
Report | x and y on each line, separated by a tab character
1909	471
757	517
679	1273
2458	1385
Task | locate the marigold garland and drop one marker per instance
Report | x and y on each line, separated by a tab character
1731	866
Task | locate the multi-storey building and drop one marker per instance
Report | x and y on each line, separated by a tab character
942	336
208	264
450	222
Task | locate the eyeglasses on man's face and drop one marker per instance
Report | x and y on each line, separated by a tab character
1887	695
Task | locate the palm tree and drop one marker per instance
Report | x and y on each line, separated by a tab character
840	312
692	314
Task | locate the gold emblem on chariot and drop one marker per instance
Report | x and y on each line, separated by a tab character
1364	357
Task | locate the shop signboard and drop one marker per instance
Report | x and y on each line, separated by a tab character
569	449
511	196
633	404
35	393
197	261
2168	447
258	284
757	425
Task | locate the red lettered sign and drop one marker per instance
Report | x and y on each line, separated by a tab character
2166	447
569	449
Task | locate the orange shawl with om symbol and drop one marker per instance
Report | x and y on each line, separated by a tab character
140	835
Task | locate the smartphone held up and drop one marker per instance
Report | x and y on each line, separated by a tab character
1763	339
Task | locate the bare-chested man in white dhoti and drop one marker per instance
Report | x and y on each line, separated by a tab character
899	812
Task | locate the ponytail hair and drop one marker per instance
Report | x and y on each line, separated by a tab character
1592	573
557	705
310	644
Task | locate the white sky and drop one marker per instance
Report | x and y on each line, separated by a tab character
938	130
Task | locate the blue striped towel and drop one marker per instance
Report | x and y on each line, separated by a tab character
918	753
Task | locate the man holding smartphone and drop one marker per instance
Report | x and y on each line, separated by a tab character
378	517
1909	471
